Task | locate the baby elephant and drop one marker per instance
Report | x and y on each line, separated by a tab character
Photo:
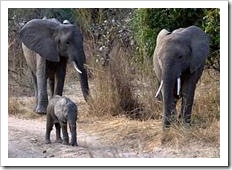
61	110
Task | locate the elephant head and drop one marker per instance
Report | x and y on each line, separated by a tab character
179	59
54	41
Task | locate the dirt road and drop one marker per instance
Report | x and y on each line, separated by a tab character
26	140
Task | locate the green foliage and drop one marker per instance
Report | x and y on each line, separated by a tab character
143	33
211	25
148	22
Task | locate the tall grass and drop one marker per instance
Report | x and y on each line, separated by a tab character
124	88
113	90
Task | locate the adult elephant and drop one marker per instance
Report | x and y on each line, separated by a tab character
179	60
48	46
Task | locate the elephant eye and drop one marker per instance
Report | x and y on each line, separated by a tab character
67	42
179	57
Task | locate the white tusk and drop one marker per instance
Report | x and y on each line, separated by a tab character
159	89
66	22
75	66
178	86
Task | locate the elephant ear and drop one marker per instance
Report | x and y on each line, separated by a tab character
156	58
38	35
161	35
199	48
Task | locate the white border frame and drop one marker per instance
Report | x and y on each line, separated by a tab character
222	161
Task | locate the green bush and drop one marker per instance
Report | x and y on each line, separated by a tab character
211	25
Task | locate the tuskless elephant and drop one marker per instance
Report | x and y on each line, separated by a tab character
48	46
179	60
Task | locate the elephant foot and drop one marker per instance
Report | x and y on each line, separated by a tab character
166	125
74	144
59	140
187	125
47	141
170	120
41	110
65	141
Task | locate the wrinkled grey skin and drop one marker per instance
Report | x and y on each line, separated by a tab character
48	45
181	53
60	111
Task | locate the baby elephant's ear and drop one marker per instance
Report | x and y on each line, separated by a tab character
38	35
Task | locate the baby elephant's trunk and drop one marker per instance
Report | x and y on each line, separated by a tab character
73	131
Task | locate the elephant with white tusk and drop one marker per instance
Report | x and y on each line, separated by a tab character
48	46
179	60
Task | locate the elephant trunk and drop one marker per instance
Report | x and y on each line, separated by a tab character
73	131
84	84
171	89
83	78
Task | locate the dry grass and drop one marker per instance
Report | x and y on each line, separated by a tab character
145	87
21	107
145	136
113	93
124	88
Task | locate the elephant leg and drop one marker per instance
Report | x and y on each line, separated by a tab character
34	80
60	77
174	114
65	133
49	126
42	86
52	85
186	107
73	134
188	93
187	100
58	138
